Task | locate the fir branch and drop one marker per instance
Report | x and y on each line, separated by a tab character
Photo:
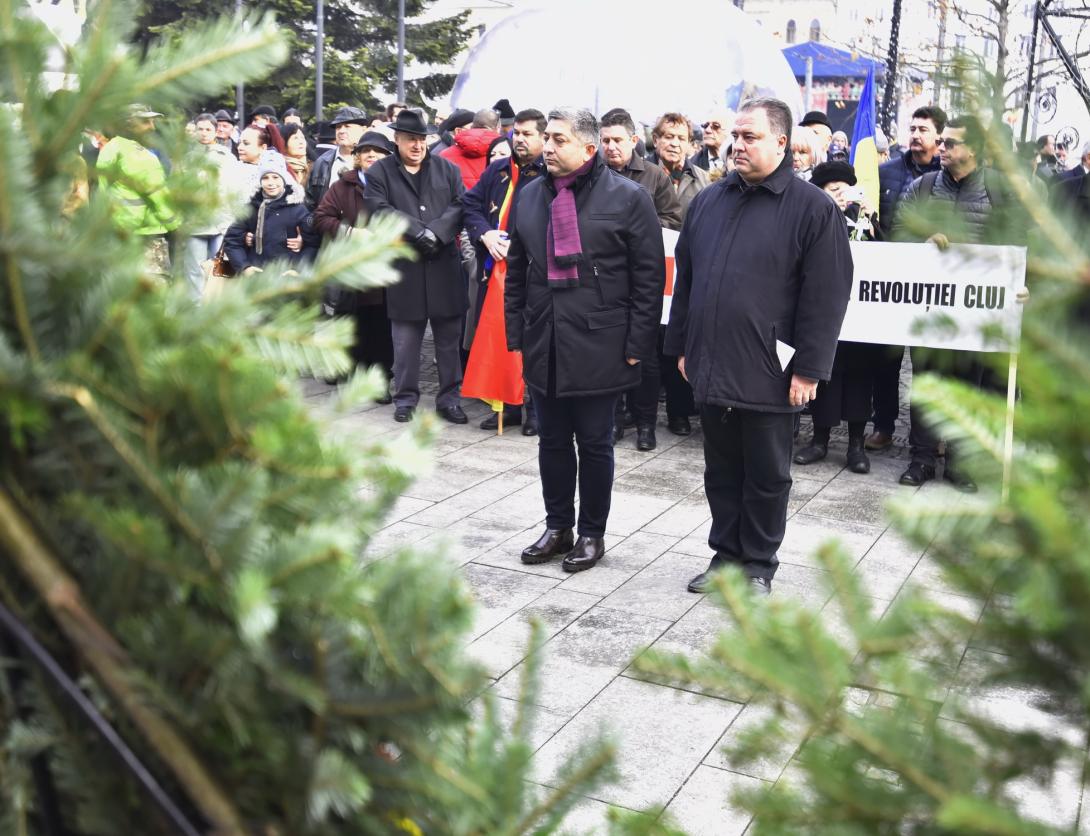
63	598
585	773
86	401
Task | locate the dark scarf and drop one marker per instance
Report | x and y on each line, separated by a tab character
563	247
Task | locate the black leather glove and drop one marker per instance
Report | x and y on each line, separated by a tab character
426	243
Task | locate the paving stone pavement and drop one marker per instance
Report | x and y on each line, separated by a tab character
484	502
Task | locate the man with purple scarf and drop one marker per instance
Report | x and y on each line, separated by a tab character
582	301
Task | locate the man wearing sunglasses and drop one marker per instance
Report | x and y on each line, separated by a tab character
715	134
971	195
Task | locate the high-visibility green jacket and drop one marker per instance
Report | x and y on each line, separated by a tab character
137	182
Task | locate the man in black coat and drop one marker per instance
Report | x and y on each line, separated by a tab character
763	270
582	303
618	150
427	192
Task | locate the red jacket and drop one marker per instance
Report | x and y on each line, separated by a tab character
470	153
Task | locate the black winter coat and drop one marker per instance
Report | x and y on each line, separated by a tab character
894	178
431	286
757	264
614	312
282	217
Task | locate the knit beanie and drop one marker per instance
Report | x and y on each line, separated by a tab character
271	162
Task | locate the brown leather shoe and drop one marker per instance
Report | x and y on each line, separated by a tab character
553	543
586	552
878	440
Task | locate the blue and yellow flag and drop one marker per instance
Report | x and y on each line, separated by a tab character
864	156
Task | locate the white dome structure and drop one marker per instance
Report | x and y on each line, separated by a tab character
601	55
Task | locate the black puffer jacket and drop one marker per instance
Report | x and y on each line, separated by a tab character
614	313
283	217
756	265
973	201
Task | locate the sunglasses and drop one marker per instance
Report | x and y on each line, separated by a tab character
949	143
715	126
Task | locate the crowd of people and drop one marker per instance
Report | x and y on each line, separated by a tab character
573	205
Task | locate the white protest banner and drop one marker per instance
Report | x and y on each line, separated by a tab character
669	244
917	294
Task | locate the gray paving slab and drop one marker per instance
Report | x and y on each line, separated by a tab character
807	532
585	657
501	593
768	767
507	644
656	590
660	734
705	805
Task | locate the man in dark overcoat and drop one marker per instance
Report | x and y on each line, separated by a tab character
582	301
427	192
764	273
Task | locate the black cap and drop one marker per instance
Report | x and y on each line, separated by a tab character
458	119
374	139
505	111
349	116
323	132
410	122
225	116
834	172
264	110
816	117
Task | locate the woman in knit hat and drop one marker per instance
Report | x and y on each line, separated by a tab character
278	225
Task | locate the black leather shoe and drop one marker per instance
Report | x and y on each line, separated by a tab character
811	453
403	414
453	414
618	430
385	399
553	543
645	438
703	582
858	461
959	480
760	587
511	418
679	426
586	552
916	474
530	427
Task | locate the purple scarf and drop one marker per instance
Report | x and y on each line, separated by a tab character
563	248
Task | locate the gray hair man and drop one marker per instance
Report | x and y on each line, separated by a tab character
763	278
582	302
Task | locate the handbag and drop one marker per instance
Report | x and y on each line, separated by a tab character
216	272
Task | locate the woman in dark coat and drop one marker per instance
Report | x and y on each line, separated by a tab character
847	394
278	226
341	211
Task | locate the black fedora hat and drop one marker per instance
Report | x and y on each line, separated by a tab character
410	122
816	117
349	115
374	139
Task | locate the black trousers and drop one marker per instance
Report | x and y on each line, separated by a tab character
960	365
374	344
679	394
589	421
846	395
747	479
643	400
886	378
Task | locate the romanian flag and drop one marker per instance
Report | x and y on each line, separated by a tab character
864	148
493	373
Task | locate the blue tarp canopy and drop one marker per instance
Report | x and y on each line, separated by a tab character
830	62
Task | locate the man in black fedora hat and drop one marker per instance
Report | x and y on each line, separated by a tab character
818	122
225	130
348	125
426	191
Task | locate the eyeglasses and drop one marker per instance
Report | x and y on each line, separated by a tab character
715	126
949	143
